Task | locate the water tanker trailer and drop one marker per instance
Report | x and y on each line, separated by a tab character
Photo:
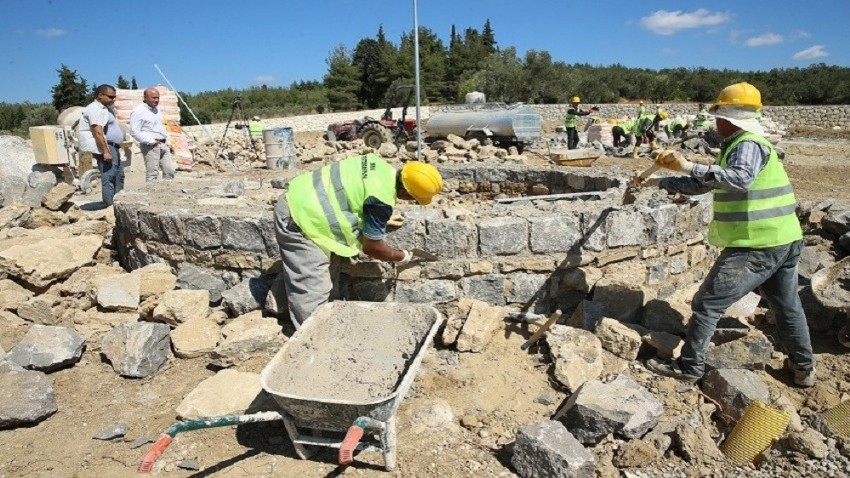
504	125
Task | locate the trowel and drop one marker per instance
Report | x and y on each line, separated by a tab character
423	254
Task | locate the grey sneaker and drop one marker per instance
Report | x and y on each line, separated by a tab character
802	378
671	369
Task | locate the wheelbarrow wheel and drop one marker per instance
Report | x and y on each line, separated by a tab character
89	181
844	337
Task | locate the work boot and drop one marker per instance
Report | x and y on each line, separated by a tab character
671	369
802	378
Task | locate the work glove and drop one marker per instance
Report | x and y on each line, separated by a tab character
674	161
408	256
395	221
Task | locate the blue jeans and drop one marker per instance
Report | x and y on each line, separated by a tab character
111	175
737	272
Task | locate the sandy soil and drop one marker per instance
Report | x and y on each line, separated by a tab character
489	395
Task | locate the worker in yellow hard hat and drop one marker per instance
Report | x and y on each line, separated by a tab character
756	226
338	211
571	119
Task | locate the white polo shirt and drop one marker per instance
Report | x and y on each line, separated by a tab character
94	114
146	125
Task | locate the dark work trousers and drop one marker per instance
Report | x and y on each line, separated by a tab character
620	136
650	137
111	174
737	272
572	138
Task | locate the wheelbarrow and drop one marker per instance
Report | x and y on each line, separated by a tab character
342	374
831	287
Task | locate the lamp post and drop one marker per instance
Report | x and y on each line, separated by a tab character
416	76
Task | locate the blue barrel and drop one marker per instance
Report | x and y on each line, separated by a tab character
280	148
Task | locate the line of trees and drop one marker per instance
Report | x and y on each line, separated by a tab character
362	76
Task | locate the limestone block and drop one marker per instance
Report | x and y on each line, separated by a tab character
442	270
371	291
745	307
527	264
58	195
47	348
195	337
192	277
554	233
229	392
149	226
242	234
155	279
526	288
39	310
502	235
203	232
247	336
625	228
751	352
488	287
137	349
26	396
120	292
734	390
660	222
178	306
577	355
678	264
836	222
659	271
581	278
618	338
11	299
547	449
450	239
666	344
480	326
423	291
44	261
480	267
246	296
623	300
587	315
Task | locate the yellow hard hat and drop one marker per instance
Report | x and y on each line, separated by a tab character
739	94
663	115
421	180
575	99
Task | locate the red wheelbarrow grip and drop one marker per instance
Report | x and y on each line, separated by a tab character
349	444
146	465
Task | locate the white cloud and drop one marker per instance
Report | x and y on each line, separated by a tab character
264	79
802	34
51	32
816	51
663	22
766	39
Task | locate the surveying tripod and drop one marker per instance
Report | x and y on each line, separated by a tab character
241	123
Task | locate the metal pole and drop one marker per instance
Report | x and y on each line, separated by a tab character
416	70
203	127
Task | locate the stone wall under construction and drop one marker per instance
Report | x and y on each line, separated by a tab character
524	253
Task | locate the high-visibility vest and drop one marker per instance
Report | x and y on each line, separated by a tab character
256	128
570	120
628	126
671	125
702	117
643	124
763	216
327	204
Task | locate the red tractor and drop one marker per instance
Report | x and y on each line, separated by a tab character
376	132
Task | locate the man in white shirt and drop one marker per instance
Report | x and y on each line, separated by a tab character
99	134
147	128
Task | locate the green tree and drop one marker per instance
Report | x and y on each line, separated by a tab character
40	116
341	81
72	89
122	83
372	72
133	85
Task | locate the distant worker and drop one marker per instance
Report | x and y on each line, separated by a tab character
99	134
622	133
571	120
338	211
702	116
147	126
645	130
755	225
641	110
256	127
675	127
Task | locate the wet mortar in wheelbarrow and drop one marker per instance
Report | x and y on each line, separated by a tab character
339	379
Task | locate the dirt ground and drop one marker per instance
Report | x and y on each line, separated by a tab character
459	419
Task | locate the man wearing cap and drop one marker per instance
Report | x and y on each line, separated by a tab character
147	126
755	225
338	211
256	127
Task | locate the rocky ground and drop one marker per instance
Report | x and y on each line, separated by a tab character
86	386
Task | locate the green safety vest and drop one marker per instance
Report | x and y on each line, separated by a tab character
643	124
628	126
327	204
763	216
570	120
702	118
256	128
671	125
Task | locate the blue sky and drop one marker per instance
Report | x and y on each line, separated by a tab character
216	44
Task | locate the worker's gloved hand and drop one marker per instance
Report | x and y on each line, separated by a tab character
395	221
408	256
651	183
674	161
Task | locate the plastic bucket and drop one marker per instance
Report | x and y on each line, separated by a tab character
280	148
755	431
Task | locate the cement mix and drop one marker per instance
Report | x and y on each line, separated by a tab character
352	351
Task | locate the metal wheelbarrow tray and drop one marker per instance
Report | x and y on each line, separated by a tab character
345	370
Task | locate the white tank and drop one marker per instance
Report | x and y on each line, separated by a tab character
499	121
475	97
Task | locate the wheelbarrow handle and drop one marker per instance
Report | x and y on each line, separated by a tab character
146	465
353	436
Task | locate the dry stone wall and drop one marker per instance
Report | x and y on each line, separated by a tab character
519	253
826	116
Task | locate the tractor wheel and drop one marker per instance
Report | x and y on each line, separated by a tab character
374	135
90	180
